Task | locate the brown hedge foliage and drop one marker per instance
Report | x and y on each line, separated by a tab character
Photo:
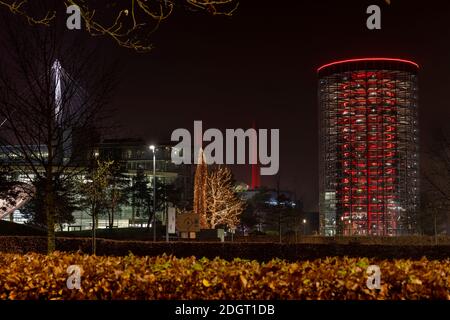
35	276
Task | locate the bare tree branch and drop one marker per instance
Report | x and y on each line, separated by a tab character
20	8
130	23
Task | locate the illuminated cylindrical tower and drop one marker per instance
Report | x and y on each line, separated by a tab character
369	160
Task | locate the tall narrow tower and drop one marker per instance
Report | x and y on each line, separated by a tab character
256	174
368	147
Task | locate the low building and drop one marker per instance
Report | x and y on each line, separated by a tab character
133	156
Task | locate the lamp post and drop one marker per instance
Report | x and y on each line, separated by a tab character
153	148
304	227
166	212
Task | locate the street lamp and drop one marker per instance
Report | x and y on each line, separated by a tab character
153	148
304	227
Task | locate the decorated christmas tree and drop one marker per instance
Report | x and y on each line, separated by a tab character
201	176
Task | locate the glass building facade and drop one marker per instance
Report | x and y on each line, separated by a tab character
133	155
369	162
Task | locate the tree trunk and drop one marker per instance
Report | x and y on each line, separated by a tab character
151	214
435	229
133	208
111	225
447	224
279	226
50	215
94	246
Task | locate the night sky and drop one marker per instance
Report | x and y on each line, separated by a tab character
260	65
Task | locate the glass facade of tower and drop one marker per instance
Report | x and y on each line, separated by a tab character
369	162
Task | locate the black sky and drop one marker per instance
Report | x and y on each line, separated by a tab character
261	65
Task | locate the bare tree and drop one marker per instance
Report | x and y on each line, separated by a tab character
129	23
94	193
223	205
436	180
53	102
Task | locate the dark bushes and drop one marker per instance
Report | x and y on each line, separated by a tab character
254	251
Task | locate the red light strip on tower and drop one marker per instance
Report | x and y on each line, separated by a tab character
367	59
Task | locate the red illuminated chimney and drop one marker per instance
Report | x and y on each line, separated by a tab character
256	178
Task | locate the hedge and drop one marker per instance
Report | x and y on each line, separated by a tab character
369	240
8	228
253	251
34	276
144	235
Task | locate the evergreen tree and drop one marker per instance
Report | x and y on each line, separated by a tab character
65	202
279	218
249	217
117	192
166	193
200	181
141	195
